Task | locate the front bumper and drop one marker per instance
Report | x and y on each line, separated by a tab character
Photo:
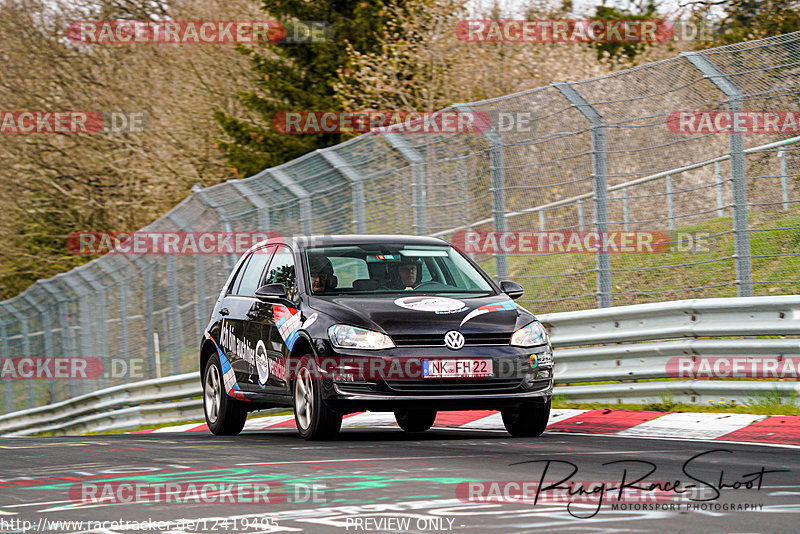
514	381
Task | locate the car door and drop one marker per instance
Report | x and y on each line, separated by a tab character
284	319
239	302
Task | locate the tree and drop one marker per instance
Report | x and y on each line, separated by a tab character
735	21
57	184
296	77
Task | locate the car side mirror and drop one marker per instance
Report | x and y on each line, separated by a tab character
271	293
512	289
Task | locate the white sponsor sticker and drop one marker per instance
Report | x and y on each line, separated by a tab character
262	363
430	304
308	322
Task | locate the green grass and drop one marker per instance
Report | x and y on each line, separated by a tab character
771	403
657	275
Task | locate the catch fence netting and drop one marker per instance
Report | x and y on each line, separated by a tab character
594	155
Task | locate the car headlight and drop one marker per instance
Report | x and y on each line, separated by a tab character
530	335
349	337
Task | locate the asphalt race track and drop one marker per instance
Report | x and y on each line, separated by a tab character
382	480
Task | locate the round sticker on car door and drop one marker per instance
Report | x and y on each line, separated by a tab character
430	304
262	363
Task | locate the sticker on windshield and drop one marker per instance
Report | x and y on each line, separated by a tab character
505	305
262	363
430	304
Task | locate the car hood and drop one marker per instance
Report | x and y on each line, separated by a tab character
396	314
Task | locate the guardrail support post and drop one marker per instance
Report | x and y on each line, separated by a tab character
599	176
417	179
356	182
741	230
497	171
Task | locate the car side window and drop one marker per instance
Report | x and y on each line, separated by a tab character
238	278
281	271
252	272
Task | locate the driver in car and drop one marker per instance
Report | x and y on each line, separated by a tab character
409	273
321	271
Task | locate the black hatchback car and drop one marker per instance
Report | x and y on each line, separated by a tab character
338	324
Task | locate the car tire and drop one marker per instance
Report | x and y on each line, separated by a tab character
314	419
526	421
225	416
415	420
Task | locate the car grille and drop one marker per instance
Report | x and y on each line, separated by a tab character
437	340
447	386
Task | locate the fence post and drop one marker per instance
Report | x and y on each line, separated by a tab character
26	343
580	215
175	326
497	172
417	181
47	332
67	339
784	178
243	189
356	182
123	305
626	218
146	270
298	191
228	260
4	353
199	279
720	189
98	310
600	184
83	313
741	230
670	205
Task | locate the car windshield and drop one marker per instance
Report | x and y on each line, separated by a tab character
392	268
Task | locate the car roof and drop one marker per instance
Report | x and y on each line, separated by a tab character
314	241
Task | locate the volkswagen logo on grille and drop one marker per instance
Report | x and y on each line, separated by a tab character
454	339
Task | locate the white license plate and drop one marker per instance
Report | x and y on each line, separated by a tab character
466	368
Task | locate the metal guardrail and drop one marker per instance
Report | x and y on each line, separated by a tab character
619	343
